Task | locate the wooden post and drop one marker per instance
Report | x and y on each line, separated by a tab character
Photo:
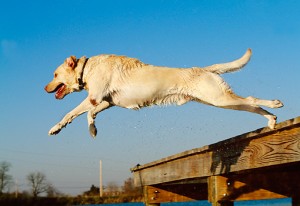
217	191
150	197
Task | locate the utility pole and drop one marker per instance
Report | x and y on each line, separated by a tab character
100	178
16	188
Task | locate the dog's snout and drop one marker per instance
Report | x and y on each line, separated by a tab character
48	88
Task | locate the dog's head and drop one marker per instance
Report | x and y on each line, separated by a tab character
65	79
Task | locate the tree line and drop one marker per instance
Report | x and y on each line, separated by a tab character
114	193
38	184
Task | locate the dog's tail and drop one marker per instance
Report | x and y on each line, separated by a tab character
230	66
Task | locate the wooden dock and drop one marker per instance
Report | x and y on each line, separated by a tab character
262	164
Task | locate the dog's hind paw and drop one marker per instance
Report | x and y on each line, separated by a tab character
272	122
93	130
277	104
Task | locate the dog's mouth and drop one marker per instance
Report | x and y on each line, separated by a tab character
60	91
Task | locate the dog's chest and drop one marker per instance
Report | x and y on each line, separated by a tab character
134	97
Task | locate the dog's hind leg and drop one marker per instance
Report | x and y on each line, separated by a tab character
229	100
268	103
91	115
250	104
213	90
255	109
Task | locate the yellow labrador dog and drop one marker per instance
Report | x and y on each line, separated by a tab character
127	82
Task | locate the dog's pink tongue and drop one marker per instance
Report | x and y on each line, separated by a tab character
60	92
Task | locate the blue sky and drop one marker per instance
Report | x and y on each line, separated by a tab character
37	36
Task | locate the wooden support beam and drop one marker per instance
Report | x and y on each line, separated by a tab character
218	191
271	183
175	193
224	189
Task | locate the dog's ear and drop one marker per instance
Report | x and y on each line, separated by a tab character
71	61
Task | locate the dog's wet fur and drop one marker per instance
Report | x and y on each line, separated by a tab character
127	82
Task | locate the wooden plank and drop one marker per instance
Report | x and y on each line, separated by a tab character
257	149
180	169
274	149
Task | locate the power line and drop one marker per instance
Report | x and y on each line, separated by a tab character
59	155
52	164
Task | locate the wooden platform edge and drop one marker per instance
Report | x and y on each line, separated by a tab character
253	134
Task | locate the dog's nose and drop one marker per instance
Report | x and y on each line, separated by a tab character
46	89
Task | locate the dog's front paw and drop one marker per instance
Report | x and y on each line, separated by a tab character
277	104
93	130
54	130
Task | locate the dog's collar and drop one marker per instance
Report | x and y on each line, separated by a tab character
79	71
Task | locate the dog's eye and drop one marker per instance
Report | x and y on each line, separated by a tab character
55	75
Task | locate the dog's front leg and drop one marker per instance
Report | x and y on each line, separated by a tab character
80	109
91	115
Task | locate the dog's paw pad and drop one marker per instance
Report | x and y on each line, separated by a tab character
93	130
55	130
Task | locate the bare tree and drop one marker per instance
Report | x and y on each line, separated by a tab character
130	189
128	186
112	188
5	178
52	191
38	183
